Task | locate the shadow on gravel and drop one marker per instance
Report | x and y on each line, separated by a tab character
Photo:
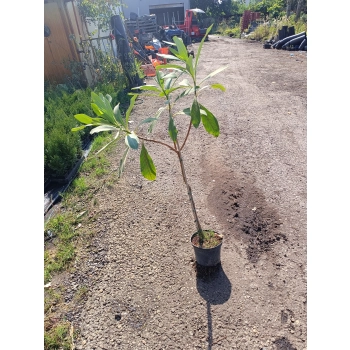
215	288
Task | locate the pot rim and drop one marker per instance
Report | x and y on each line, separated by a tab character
195	234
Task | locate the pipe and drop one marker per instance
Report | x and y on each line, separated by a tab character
293	41
279	44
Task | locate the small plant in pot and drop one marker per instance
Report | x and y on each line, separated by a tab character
174	81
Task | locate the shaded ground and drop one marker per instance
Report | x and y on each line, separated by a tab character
144	291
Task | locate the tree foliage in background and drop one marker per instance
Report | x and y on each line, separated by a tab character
99	12
233	9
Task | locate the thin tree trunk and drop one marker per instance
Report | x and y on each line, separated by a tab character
289	3
299	6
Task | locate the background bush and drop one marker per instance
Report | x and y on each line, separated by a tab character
62	148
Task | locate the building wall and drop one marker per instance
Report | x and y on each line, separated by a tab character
141	7
58	48
67	31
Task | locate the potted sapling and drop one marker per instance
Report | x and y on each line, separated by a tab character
173	81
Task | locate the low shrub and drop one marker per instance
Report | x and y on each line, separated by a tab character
62	148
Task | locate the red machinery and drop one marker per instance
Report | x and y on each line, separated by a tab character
191	25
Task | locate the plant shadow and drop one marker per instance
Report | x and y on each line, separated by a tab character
215	288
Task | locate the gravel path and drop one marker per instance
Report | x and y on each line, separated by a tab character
249	184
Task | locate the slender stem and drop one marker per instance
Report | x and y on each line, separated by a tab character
189	192
155	141
188	132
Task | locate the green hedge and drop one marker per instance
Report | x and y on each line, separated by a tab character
62	147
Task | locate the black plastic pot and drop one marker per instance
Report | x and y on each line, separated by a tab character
207	256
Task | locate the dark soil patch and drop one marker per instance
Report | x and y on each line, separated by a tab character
245	214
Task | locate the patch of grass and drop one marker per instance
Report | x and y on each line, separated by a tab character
79	186
62	250
58	337
263	32
99	172
52	298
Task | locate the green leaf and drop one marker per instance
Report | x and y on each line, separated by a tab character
182	51
83	118
132	140
118	116
96	109
189	66
104	106
80	127
171	66
148	170
131	106
148	120
122	162
218	86
109	143
209	121
213	73
149	88
201	45
184	82
167	83
170	75
170	57
195	114
172	129
103	128
187	111
109	98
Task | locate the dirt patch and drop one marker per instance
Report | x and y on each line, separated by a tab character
144	290
244	212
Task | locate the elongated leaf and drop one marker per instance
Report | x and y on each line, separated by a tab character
80	127
187	111
104	106
169	43
107	104
184	82
150	88
109	98
218	86
171	66
132	140
83	118
201	45
183	54
148	170
168	91
118	116
103	128
148	120
167	83
170	57
209	121
96	110
189	66
109	143
131	106
122	162
170	75
195	114
213	73
172	129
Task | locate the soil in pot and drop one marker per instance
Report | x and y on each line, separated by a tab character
211	239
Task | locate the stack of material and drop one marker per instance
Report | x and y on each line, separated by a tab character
292	43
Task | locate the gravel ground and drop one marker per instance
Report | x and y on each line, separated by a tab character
144	291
